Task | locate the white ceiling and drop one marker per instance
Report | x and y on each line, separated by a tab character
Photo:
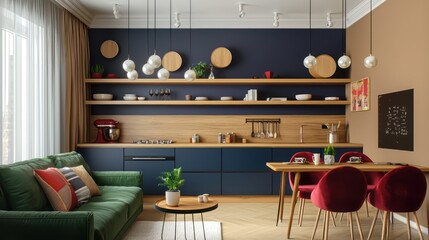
217	13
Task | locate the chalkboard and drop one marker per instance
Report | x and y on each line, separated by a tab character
396	120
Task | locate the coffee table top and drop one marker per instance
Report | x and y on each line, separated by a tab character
187	205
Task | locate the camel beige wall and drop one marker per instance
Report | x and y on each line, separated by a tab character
401	44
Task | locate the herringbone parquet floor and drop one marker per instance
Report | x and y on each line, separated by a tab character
254	218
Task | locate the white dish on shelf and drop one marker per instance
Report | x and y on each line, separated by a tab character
201	98
278	99
141	98
332	98
102	96
225	98
130	98
303	97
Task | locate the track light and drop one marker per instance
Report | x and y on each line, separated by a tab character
241	12
115	11
177	22
276	19
329	22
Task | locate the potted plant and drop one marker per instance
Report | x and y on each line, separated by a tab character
172	181
201	69
329	154
97	71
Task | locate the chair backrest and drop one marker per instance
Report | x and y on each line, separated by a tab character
346	156
307	178
401	190
343	189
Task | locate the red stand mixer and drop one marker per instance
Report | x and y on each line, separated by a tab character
108	132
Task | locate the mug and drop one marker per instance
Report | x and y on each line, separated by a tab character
355	159
300	160
316	158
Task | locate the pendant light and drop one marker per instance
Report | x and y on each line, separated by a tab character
128	65
164	74
370	61
310	60
147	68
190	74
154	60
344	61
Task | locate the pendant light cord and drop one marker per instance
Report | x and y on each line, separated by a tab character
310	26
154	24
190	29
128	32
170	25
370	27
342	26
147	26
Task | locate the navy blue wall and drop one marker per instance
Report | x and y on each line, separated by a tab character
254	50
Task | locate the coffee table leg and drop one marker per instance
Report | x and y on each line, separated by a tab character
162	230
175	225
202	221
193	224
184	224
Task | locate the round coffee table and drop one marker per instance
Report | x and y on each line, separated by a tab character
187	205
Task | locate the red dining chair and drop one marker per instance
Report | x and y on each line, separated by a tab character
343	189
372	178
307	183
401	190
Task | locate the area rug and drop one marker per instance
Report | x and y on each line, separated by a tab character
151	230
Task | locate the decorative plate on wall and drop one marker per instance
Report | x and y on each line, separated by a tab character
221	57
172	61
325	67
109	49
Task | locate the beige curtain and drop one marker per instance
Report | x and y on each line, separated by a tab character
76	48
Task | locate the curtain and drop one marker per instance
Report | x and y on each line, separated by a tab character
76	44
31	85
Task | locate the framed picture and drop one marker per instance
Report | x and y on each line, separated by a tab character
360	95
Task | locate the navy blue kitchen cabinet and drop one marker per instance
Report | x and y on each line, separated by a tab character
152	162
244	171
103	159
201	170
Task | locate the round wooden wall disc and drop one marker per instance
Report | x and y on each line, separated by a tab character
221	57
325	67
172	61
109	49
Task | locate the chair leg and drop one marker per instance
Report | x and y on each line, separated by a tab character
359	226
317	223
418	226
341	217
299	211
389	223
408	226
373	224
351	226
324	224
385	222
302	212
331	214
366	205
325	237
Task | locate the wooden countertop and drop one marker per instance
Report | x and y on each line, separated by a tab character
218	145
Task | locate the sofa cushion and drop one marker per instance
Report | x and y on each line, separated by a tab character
58	190
109	217
131	196
82	191
70	159
22	191
87	179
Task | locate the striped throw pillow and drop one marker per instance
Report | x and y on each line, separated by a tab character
82	191
87	179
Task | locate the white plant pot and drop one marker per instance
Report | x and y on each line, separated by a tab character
172	198
329	159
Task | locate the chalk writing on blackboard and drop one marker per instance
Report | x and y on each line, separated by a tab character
396	120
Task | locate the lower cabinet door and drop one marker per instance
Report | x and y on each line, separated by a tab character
103	159
151	170
200	183
246	183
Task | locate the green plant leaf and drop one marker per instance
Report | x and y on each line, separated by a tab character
172	180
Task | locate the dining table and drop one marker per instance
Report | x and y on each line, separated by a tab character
298	168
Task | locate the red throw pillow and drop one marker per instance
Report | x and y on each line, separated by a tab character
56	187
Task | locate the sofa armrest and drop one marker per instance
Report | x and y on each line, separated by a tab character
46	225
110	178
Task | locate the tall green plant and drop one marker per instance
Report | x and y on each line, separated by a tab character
329	150
172	180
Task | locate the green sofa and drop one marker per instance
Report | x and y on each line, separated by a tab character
25	212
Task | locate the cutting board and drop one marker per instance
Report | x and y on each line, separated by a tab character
325	67
172	61
221	57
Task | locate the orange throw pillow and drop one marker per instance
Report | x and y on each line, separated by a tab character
56	187
87	179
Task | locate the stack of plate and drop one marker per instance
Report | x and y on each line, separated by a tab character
201	98
225	98
332	98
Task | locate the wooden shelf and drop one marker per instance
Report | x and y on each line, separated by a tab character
216	103
225	81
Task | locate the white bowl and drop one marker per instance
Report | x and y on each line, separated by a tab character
225	98
130	98
201	98
141	98
332	98
130	95
303	97
102	96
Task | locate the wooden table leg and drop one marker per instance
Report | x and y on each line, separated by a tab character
293	201
281	198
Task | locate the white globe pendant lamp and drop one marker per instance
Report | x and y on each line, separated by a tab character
128	65
148	69
190	74
163	74
154	60
344	61
310	60
370	61
133	75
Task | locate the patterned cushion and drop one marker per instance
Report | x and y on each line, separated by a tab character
82	191
59	192
87	179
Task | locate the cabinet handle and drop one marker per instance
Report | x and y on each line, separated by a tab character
148	158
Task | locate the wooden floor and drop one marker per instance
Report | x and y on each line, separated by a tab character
253	217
